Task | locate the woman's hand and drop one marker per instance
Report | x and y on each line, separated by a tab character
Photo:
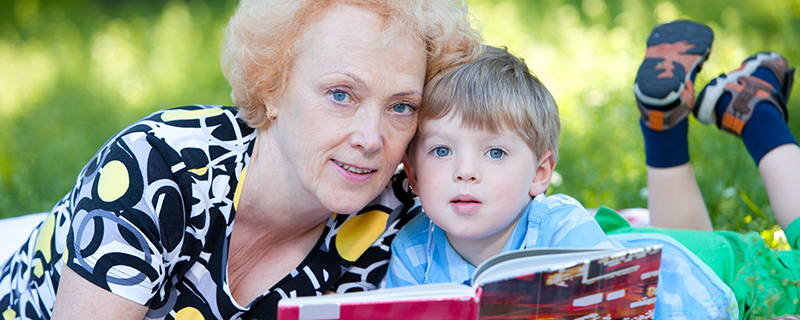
78	298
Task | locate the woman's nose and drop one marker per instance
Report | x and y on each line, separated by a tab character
367	132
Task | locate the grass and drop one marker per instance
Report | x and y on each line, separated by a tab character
76	72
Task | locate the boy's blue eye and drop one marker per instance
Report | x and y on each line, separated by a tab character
496	153
340	96
441	151
402	108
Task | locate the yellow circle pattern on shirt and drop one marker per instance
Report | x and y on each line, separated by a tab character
9	314
113	182
360	232
188	313
177	115
43	243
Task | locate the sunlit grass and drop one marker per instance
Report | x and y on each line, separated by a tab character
73	73
71	76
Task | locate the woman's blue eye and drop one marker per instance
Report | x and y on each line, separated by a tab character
402	108
496	153
340	96
441	151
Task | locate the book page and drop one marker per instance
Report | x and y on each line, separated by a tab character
601	284
526	259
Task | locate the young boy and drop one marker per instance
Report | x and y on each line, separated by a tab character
481	160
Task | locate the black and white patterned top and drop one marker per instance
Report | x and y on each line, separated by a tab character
150	218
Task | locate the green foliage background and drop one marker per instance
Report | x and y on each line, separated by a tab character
74	72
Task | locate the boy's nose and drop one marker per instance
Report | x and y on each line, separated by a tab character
466	172
466	177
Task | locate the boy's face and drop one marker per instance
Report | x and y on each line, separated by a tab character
472	183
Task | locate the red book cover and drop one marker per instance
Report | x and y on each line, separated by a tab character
443	301
546	283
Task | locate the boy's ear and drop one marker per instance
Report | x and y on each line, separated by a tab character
410	172
544	172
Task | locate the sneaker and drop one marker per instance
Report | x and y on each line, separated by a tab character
746	92
664	85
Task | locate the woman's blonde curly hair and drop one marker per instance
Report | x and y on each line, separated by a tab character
262	39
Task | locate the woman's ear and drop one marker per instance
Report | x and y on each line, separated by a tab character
410	172
544	172
270	106
271	110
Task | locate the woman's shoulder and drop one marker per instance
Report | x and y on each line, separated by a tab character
201	123
191	136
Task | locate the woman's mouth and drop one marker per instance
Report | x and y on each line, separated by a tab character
353	169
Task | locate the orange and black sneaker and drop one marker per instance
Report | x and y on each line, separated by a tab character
664	84
746	90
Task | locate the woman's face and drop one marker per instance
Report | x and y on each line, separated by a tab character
349	109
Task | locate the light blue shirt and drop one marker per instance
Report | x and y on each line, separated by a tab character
422	254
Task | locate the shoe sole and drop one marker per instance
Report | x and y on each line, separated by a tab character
708	99
655	91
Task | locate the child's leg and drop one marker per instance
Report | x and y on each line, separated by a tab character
665	95
675	200
750	102
780	170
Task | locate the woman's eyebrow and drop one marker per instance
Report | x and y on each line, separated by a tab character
411	93
359	82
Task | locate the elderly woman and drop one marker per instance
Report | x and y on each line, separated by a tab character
219	212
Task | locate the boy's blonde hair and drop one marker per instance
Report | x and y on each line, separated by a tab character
495	91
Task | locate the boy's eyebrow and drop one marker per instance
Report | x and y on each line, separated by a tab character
429	133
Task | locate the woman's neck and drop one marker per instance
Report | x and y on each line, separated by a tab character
271	197
274	228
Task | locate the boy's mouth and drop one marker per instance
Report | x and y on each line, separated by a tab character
464	204
465	199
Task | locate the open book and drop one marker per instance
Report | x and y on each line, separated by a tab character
542	283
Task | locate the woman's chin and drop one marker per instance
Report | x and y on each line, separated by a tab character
345	210
349	202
